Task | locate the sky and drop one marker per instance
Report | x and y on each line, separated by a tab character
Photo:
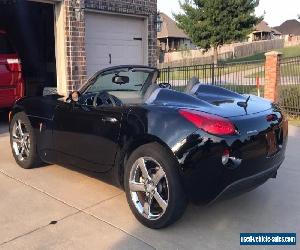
277	11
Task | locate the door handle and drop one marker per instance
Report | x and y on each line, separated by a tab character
109	58
109	119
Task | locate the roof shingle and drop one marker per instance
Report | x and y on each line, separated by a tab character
262	27
289	27
170	28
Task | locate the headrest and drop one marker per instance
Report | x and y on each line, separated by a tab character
150	90
192	82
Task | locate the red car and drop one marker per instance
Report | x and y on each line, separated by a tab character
11	78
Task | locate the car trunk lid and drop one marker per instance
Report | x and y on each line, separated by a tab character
239	105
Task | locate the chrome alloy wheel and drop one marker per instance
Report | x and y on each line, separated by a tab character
20	140
149	188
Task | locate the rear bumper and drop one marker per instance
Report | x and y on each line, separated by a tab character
209	186
247	184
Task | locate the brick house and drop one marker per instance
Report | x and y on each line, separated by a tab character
171	37
72	39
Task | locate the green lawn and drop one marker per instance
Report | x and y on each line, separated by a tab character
286	70
287	52
290	51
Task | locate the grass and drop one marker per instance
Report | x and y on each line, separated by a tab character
290	51
287	52
256	57
286	70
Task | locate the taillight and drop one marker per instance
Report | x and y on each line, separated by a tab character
212	124
13	65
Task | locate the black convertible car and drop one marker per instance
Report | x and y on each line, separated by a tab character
162	146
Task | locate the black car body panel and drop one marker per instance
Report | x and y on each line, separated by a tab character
100	138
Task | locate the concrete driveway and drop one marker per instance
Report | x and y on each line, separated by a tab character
58	208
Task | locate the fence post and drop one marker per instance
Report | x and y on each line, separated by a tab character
168	75
213	73
272	75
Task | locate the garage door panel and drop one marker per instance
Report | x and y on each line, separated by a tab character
130	53
113	35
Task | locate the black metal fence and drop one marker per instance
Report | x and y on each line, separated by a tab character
245	77
290	85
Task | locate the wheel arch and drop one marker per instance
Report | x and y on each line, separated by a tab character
129	148
15	110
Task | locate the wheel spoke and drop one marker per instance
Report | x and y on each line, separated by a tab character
158	176
136	187
16	139
26	149
143	168
26	135
21	152
161	202
147	207
19	127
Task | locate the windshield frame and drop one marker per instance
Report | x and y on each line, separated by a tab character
153	75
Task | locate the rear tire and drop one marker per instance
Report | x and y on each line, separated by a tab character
23	142
160	186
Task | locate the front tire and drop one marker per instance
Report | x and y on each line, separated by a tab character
23	142
153	188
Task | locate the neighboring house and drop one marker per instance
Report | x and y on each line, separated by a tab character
63	42
171	37
262	31
289	27
276	34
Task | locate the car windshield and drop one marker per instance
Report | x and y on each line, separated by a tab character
136	79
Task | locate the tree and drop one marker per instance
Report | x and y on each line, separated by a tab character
212	23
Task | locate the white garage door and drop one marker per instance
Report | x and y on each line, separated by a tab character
113	40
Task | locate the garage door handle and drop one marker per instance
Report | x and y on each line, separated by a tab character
109	58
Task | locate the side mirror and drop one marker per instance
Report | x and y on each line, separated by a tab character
73	97
120	80
165	85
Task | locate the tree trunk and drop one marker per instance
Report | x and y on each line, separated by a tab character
215	55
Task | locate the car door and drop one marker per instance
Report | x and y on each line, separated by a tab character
86	136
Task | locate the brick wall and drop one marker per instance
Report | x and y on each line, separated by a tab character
75	32
75	47
272	75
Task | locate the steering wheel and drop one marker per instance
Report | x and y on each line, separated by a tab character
105	98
